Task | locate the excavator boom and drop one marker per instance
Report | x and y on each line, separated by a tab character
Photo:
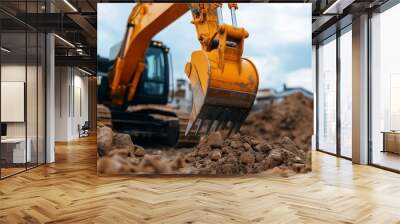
224	84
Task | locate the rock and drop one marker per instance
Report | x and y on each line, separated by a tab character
259	157
298	167
247	158
106	165
247	146
297	160
226	150
114	165
134	160
203	151
190	158
254	142
215	155
104	140
153	164
263	147
289	145
104	115
139	151
229	169
122	140
275	157
178	163
124	152
215	140
236	144
235	136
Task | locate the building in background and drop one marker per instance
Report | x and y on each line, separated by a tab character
181	95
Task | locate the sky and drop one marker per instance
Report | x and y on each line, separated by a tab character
279	41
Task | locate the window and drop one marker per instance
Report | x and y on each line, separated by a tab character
22	77
154	72
385	89
327	96
346	93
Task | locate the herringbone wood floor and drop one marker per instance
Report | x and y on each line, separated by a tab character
69	191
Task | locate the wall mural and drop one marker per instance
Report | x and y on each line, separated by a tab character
176	97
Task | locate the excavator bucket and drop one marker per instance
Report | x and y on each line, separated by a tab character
224	84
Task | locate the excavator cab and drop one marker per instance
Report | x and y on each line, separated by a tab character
153	85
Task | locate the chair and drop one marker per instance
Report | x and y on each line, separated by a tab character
84	130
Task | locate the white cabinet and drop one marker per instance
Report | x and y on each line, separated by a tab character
17	147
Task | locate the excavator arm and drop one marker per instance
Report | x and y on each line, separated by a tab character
224	84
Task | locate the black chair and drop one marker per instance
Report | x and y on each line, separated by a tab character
84	130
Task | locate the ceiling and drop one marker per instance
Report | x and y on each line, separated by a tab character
76	20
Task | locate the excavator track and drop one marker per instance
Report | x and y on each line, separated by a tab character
189	140
182	118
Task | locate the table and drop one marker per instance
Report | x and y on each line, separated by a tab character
391	141
13	150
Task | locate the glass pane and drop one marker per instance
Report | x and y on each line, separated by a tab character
41	99
386	89
346	94
31	97
155	72
13	86
327	96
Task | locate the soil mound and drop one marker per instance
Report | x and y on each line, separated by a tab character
292	117
242	154
239	154
278	138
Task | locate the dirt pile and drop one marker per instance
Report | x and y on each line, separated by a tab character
242	154
124	161
214	155
292	117
118	155
104	115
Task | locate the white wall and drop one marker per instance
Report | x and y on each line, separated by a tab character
62	82
33	126
71	102
12	73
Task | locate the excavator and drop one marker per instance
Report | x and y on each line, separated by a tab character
223	83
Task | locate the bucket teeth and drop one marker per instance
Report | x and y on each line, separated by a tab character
190	126
199	125
216	118
210	123
230	129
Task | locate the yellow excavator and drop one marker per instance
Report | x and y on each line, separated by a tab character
224	84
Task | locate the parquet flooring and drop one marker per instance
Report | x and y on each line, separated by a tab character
69	191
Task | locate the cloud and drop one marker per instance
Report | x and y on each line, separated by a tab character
274	25
300	78
181	38
266	67
111	25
